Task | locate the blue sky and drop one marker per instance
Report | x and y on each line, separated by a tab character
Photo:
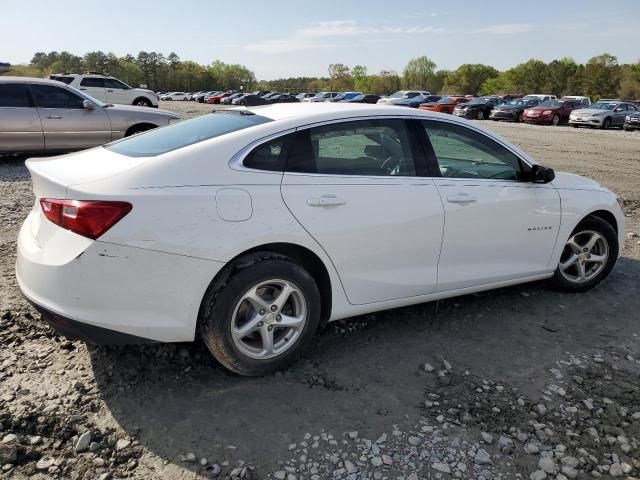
284	38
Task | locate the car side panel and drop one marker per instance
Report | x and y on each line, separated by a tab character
20	130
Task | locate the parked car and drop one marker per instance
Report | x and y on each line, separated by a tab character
431	99
230	98
254	100
551	112
284	98
602	114
513	110
362	98
217	98
344	96
292	251
302	96
108	89
405	98
444	105
583	101
174	96
543	97
39	115
632	121
201	96
320	97
479	108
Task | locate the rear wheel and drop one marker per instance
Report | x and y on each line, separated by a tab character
262	316
555	121
445	110
588	256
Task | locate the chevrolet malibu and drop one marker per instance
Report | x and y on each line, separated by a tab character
251	228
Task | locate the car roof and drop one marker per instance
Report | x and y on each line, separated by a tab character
44	81
318	112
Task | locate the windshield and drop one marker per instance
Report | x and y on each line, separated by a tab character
163	140
358	97
517	103
398	94
340	96
479	101
551	103
604	106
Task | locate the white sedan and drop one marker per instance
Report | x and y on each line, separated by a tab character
182	96
252	227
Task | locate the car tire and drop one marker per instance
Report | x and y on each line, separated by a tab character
142	102
555	121
577	271
606	124
249	296
445	110
138	129
480	115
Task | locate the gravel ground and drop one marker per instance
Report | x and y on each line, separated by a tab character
520	382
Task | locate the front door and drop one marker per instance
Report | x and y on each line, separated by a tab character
67	125
20	127
94	87
356	188
498	225
117	92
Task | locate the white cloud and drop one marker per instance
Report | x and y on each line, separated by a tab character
315	34
506	29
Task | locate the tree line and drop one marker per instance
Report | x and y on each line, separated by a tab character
601	76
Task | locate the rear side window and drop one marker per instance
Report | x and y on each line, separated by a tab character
163	140
15	95
269	156
92	82
48	96
362	147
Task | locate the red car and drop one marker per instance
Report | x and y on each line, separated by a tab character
444	105
216	98
552	112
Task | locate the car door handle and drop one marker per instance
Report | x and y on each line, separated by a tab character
325	201
461	198
54	117
83	89
111	91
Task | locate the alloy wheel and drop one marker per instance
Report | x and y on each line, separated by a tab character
268	319
584	256
555	120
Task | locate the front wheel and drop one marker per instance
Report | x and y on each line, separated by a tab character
142	102
588	256
555	121
480	115
262	316
606	124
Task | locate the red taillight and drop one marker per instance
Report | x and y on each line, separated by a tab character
89	218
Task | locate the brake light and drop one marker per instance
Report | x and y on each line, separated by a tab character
89	218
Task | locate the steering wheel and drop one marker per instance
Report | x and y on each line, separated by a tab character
385	164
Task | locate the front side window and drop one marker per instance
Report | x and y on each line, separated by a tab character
464	153
48	96
113	83
363	147
92	82
15	95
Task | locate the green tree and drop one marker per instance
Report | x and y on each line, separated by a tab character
601	76
340	77
419	72
468	79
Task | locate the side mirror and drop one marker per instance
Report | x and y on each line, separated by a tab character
540	174
87	105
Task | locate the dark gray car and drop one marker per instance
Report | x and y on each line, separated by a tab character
38	115
602	114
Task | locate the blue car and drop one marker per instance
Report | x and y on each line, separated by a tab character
344	96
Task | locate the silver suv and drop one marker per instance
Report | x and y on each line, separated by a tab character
108	89
38	115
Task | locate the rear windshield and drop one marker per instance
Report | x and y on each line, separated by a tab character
62	79
163	140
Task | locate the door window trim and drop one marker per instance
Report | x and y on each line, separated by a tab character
433	161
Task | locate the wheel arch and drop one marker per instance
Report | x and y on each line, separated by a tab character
303	256
141	97
140	127
605	215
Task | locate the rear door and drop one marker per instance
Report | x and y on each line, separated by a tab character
359	188
94	87
498	225
20	127
67	125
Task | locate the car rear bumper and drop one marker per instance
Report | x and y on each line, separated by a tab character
113	292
